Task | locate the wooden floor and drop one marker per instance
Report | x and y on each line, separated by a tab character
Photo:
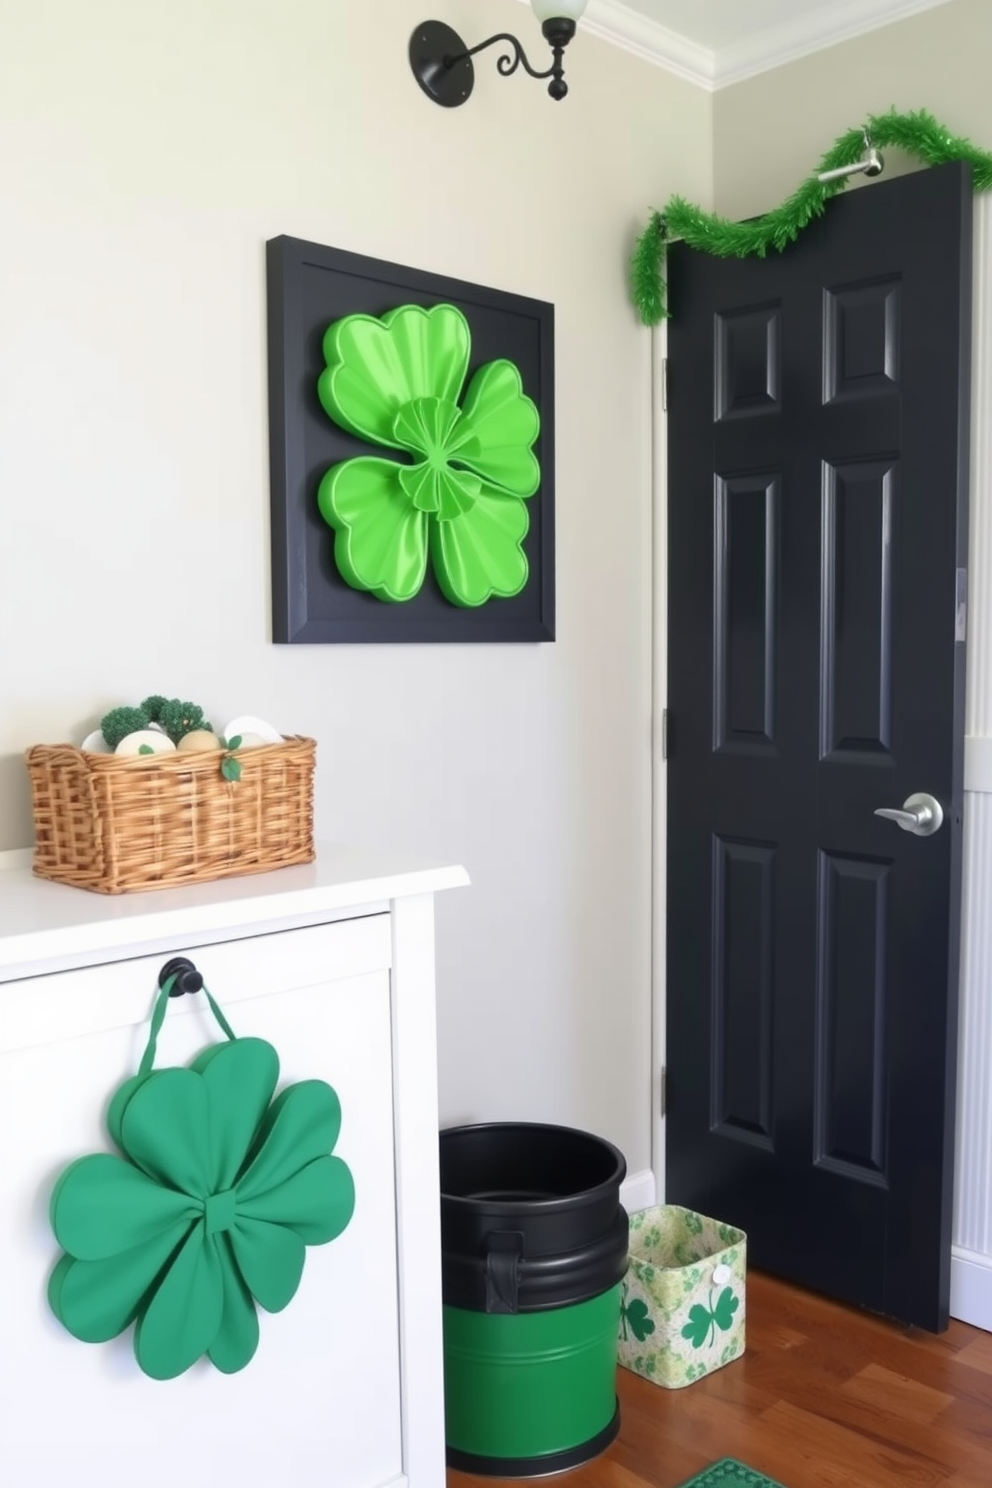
824	1397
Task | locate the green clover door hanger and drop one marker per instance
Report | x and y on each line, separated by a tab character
455	494
208	1209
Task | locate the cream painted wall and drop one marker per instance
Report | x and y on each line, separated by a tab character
148	151
770	131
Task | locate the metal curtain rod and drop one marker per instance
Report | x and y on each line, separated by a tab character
872	165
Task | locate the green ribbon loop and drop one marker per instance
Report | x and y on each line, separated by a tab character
158	1018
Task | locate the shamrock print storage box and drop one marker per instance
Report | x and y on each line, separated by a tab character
682	1313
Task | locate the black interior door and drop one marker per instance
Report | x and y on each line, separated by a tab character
818	436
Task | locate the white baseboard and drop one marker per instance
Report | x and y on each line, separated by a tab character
971	1287
637	1191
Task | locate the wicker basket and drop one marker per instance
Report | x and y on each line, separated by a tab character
113	823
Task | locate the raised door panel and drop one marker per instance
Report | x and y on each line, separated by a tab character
320	1401
741	1055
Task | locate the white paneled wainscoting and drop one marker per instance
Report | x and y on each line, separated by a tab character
971	1263
971	1256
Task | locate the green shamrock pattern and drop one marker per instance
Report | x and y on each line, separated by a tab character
682	1314
635	1316
704	1321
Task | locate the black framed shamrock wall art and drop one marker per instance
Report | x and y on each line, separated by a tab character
411	427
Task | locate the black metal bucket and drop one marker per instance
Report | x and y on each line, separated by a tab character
534	1246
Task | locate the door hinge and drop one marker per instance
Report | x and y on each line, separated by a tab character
664	1090
664	733
664	384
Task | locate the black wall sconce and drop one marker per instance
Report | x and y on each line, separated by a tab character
442	64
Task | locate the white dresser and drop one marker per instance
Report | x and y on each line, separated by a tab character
334	964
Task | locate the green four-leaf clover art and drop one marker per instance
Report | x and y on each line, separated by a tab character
459	498
210	1209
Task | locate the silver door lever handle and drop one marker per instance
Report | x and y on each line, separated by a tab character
920	814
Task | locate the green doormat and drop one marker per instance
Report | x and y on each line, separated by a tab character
730	1474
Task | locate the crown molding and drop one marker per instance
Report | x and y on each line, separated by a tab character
629	29
633	32
845	20
612	21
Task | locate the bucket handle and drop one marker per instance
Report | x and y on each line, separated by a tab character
504	1249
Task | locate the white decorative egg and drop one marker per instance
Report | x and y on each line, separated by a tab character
198	740
249	740
145	741
95	743
246	725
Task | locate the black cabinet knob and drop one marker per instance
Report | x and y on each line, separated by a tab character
188	979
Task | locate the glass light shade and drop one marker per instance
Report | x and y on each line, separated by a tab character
552	10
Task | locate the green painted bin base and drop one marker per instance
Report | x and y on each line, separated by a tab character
532	1392
532	1467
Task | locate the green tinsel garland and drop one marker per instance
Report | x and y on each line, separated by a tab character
918	134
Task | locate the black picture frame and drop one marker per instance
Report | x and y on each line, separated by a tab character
309	287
